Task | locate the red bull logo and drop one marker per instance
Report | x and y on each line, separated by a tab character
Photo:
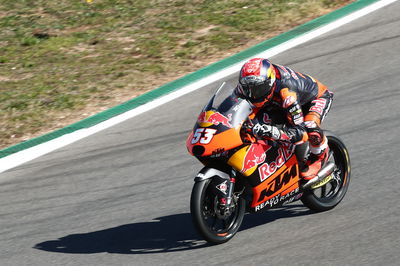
254	156
209	118
284	154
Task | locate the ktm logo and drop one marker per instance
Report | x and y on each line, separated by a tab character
278	183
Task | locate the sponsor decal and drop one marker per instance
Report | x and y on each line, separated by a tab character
294	198
255	155
284	180
215	118
298	121
295	109
318	106
284	153
218	152
322	182
267	169
287	198
298	196
271	202
289	71
296	114
223	187
310	124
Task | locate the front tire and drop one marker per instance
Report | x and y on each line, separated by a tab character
332	193
203	207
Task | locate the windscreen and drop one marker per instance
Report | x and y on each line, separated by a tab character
233	109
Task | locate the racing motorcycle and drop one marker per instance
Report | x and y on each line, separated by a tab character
242	173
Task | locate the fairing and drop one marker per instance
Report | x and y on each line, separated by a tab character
218	126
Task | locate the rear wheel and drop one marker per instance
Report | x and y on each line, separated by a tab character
215	224
329	195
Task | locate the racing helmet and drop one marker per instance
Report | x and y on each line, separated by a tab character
257	81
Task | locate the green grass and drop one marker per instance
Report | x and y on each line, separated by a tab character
61	59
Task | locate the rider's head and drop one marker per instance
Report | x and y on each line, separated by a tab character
257	81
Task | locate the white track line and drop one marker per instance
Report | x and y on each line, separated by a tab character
23	156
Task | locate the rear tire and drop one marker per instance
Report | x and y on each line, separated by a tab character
203	204
332	193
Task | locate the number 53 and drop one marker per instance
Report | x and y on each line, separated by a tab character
204	135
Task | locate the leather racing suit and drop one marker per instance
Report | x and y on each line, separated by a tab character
301	103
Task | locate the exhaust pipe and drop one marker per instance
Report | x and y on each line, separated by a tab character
327	170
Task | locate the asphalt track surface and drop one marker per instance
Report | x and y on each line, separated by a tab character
121	197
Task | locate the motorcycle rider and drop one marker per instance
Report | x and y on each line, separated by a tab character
304	101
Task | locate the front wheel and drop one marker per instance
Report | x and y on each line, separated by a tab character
206	214
329	195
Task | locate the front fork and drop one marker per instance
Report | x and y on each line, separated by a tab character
223	186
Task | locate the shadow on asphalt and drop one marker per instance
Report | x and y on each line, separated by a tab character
165	234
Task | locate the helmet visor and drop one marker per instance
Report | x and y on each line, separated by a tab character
256	88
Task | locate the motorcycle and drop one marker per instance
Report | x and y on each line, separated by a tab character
242	173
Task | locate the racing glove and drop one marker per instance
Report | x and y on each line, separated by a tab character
266	131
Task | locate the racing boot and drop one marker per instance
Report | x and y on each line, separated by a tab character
318	156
